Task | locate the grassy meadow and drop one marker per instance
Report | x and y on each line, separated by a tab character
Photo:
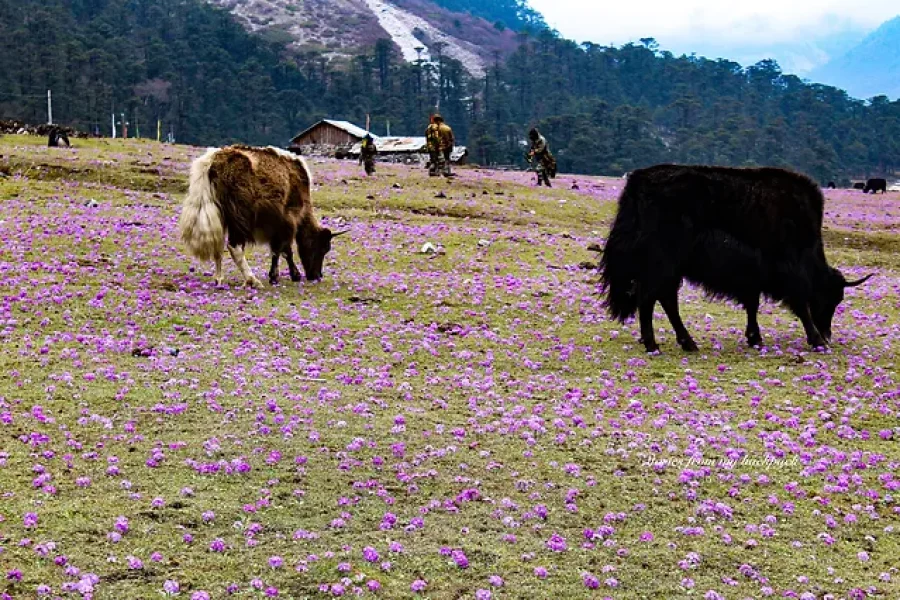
459	423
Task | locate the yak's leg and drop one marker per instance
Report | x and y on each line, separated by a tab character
218	277
645	316
669	301
751	305
295	272
273	270
237	254
813	337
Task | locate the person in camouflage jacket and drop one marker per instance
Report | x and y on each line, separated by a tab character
367	152
433	145
446	145
540	151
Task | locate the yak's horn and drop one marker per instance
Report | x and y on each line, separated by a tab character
334	235
858	281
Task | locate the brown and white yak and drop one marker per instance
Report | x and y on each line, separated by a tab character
253	195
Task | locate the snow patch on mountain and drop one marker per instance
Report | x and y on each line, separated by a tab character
401	26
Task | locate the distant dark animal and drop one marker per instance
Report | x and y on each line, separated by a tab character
873	185
859	185
739	233
253	195
57	137
831	185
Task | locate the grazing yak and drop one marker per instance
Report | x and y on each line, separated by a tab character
873	185
738	233
253	195
57	137
831	185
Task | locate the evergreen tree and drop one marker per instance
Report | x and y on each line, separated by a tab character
605	110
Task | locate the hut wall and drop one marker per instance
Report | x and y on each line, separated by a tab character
325	135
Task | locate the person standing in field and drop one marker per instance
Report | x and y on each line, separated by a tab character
540	151
446	144
367	152
433	145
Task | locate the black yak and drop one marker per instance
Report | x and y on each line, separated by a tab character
873	185
831	185
859	185
253	195
738	233
57	137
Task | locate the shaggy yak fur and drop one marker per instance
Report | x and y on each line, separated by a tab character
253	195
739	233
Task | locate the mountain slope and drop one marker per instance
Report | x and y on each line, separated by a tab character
869	69
515	14
334	25
344	28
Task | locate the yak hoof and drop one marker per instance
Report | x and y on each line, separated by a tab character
295	277
254	283
689	345
218	281
651	346
817	342
273	278
754	340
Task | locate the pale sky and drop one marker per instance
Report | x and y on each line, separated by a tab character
731	29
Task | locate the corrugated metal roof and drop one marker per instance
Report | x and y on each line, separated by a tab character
403	145
395	144
347	126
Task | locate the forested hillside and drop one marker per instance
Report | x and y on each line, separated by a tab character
180	61
605	110
614	109
515	14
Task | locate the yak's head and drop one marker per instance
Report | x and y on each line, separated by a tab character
312	250
826	299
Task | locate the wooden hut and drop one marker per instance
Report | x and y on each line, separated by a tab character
326	137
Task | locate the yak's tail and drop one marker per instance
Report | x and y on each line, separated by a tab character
621	259
201	225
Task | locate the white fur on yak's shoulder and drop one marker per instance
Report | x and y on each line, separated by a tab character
295	157
200	223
